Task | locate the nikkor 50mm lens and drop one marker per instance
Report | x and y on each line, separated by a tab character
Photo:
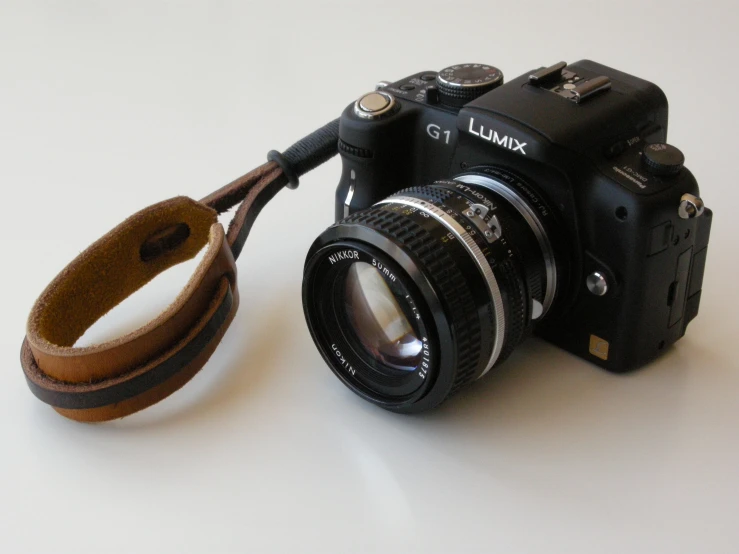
428	290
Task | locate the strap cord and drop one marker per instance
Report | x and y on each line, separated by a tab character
259	186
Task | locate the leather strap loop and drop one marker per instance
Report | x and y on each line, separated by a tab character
110	374
122	376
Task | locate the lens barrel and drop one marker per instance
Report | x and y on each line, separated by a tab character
419	295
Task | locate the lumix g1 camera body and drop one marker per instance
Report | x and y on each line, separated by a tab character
472	213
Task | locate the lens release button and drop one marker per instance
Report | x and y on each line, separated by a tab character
597	284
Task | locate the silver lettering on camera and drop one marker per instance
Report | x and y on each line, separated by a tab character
513	144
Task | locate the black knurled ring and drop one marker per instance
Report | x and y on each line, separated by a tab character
448	280
347	148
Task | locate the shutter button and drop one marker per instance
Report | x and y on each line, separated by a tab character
374	105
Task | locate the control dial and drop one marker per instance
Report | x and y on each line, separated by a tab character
663	159
459	84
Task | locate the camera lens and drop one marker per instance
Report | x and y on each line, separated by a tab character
428	290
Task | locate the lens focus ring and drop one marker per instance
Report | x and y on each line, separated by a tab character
447	279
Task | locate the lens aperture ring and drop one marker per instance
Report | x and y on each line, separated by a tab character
503	257
531	206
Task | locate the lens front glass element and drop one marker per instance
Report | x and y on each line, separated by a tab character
378	321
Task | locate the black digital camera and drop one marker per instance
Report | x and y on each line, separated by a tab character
472	213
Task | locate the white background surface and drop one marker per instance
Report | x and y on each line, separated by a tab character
108	107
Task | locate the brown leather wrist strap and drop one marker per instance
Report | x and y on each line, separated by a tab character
122	376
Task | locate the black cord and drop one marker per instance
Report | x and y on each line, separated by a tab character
308	153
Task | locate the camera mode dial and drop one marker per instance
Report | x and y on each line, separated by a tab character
460	84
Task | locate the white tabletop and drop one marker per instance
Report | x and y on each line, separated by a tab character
108	107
